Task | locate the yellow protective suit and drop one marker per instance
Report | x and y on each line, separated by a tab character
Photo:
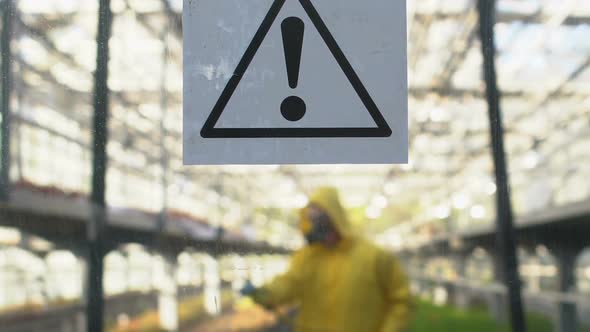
354	287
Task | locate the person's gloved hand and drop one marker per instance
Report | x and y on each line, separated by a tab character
248	289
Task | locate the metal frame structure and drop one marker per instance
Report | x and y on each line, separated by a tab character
96	228
440	91
450	145
7	8
506	243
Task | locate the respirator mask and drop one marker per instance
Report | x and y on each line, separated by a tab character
315	224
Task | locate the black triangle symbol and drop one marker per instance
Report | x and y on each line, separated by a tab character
209	130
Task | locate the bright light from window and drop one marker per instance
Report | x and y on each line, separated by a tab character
9	236
301	200
390	239
439	115
391	188
176	5
442	211
460	201
409	166
531	160
380	201
373	212
478	212
490	188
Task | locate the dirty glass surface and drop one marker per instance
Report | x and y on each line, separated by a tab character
181	242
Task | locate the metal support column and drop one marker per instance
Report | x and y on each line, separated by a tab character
505	229
96	228
567	311
6	53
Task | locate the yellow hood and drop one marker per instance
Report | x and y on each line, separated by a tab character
328	199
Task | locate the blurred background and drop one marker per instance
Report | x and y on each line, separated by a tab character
180	241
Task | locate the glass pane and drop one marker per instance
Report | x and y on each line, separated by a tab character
54	52
182	244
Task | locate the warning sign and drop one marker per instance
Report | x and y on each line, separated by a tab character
295	81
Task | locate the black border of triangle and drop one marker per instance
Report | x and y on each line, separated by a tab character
209	130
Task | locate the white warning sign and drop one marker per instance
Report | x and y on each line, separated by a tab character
295	82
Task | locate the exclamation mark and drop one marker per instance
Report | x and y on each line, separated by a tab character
293	108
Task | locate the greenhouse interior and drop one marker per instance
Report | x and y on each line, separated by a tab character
182	241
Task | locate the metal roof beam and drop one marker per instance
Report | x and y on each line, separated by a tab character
536	18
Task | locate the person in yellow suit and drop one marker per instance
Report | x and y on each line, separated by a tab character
340	282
